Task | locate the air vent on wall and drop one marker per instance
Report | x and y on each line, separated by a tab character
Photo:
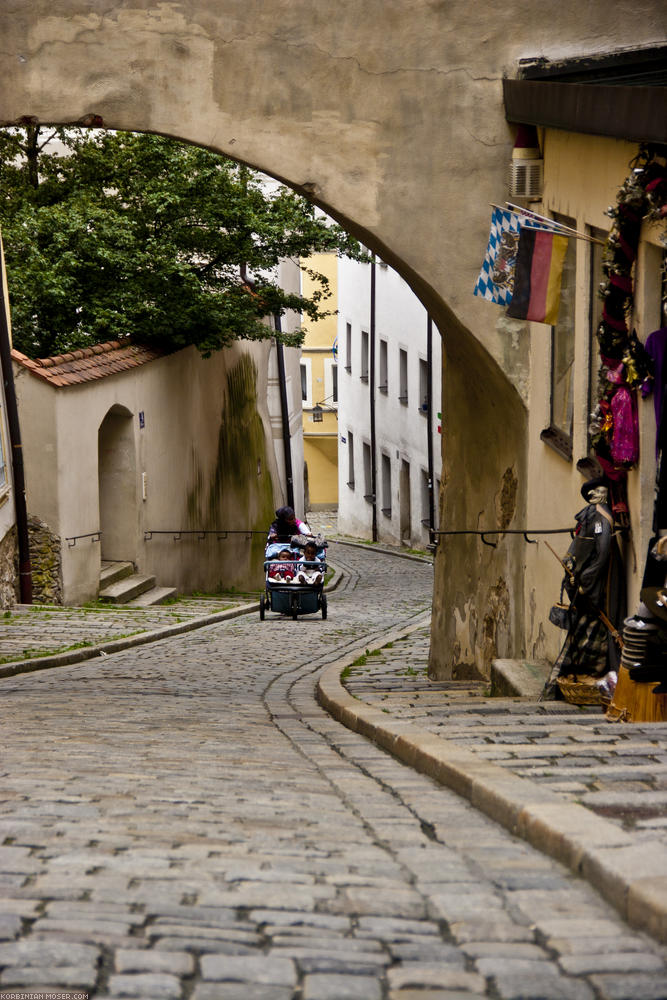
526	166
526	178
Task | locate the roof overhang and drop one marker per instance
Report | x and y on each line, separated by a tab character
635	113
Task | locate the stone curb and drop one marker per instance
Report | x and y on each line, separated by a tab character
628	875
372	547
83	653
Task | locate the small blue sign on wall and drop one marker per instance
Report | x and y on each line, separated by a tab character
142	422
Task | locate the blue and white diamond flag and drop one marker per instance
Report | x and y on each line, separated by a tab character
496	279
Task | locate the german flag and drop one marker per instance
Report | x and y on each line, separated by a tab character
537	275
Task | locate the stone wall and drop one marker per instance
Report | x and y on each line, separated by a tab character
8	570
46	562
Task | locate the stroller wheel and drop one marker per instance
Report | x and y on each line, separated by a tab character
324	606
262	607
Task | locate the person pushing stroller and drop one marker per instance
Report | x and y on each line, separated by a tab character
286	525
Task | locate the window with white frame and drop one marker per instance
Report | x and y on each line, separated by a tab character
383	384
425	498
403	376
368	474
306	383
350	459
423	386
365	342
330	382
386	485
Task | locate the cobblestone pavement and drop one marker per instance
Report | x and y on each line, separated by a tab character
182	821
618	771
35	631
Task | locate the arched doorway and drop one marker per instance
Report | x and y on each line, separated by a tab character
117	477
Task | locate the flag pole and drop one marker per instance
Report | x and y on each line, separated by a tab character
557	229
560	226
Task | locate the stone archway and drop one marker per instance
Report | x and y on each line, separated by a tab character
390	117
117	477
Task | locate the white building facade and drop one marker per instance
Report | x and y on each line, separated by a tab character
389	377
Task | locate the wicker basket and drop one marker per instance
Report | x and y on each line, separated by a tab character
581	690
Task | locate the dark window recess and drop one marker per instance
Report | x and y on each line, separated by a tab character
559	441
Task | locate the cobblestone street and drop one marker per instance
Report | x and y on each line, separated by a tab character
183	821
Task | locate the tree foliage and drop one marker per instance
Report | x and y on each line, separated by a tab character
114	234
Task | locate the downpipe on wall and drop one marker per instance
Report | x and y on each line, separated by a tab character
18	478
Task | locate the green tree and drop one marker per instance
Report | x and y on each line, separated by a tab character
115	234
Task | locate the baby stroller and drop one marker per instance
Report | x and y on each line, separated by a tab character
294	586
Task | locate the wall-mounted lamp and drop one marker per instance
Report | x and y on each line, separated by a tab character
317	414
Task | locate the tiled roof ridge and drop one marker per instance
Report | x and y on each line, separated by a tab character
80	353
89	363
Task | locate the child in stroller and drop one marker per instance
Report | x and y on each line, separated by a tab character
309	568
282	566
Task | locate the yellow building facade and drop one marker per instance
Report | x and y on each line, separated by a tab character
319	392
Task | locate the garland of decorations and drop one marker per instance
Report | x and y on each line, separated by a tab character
625	365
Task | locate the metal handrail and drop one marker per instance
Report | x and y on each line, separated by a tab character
94	536
201	533
507	531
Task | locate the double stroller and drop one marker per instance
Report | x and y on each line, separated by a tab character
294	585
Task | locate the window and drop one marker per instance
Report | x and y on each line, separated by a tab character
383	385
364	356
368	474
595	305
423	386
386	485
403	376
306	384
348	347
350	459
330	382
559	432
425	499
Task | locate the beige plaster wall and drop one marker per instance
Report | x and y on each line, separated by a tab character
206	452
389	115
582	177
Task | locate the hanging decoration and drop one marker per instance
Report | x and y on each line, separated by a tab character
625	364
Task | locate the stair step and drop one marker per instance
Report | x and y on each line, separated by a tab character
127	589
156	595
113	571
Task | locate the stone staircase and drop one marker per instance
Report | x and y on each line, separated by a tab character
119	584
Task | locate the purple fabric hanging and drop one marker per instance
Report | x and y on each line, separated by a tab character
656	347
625	436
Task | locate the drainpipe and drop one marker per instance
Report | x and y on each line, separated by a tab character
371	387
287	440
429	432
25	569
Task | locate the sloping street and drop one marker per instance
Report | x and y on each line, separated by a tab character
183	820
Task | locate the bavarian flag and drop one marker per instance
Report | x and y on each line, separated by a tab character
537	274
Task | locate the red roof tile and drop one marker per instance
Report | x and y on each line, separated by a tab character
89	363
